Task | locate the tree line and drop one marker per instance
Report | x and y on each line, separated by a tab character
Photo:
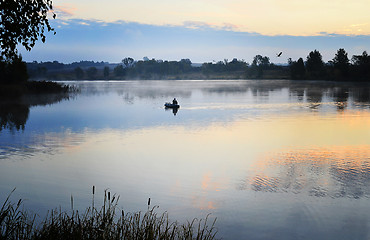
340	68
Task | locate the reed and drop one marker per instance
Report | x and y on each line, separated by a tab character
106	222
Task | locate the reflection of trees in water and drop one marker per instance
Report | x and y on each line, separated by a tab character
14	113
297	93
13	116
257	88
313	92
314	97
153	94
335	173
340	97
361	96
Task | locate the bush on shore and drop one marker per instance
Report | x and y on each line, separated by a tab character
13	91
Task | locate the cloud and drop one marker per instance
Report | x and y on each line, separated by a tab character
230	27
197	25
81	39
205	25
64	12
84	23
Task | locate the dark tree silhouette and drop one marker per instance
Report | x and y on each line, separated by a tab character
258	60
119	71
128	62
341	59
106	72
258	65
13	72
297	69
314	65
185	65
361	67
341	64
22	22
359	60
79	73
91	72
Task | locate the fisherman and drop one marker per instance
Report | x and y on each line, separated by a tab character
174	101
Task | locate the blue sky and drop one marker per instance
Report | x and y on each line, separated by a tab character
203	35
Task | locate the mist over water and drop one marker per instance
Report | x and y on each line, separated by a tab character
270	159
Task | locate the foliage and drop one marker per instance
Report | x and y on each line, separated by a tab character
341	59
36	87
340	64
91	72
258	60
23	22
106	72
103	223
297	69
79	73
361	67
119	71
14	71
314	65
259	64
339	68
361	60
128	62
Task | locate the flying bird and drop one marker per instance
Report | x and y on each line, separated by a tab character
279	54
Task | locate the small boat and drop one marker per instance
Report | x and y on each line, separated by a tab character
171	105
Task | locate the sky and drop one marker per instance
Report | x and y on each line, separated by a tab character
203	30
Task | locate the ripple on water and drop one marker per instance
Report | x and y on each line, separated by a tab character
334	172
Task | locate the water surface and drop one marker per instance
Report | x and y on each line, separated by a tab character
269	159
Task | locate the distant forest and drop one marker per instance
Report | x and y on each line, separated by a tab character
340	68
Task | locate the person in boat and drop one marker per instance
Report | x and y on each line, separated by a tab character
174	101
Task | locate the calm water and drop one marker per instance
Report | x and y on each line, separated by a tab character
269	159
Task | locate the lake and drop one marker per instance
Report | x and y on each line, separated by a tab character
269	159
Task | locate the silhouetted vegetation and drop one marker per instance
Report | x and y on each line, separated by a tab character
106	72
297	69
315	66
106	222
361	67
340	68
13	71
23	22
91	72
340	65
14	80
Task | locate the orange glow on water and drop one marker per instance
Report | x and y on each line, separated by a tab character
333	171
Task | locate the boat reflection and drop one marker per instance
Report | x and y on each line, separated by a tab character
174	110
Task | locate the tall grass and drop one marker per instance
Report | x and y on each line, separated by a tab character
107	222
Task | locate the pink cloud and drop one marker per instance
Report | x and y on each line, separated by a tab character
204	25
64	11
